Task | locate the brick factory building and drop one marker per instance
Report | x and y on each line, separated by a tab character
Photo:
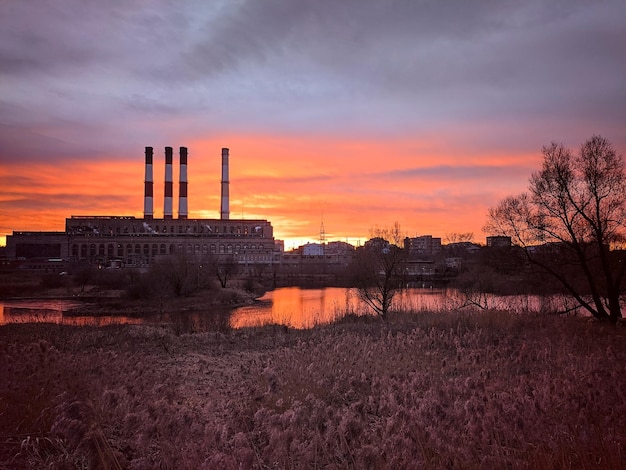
116	241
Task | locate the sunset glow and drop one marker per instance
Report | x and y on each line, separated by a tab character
343	115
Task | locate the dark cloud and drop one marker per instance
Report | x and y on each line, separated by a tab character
126	70
80	203
460	172
25	145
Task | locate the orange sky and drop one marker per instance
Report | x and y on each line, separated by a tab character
344	112
295	182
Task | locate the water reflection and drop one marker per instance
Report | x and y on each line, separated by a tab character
305	308
290	306
54	311
297	308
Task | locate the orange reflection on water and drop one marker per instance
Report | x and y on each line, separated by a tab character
296	307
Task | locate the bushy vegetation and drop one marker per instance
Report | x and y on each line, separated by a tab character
456	390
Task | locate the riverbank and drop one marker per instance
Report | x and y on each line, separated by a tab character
110	293
453	390
115	301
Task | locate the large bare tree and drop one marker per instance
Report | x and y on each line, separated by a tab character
571	223
380	268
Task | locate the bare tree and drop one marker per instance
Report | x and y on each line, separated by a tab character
225	269
380	267
458	237
571	223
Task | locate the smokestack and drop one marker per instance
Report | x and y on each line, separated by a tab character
225	211
148	200
182	188
167	208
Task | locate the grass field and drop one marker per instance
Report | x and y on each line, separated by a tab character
454	390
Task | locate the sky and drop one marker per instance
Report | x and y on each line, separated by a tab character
352	114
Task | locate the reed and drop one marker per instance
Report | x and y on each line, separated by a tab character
428	389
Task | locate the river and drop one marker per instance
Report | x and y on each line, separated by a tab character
291	306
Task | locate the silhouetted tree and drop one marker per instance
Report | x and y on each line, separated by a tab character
458	237
225	269
571	223
380	267
84	276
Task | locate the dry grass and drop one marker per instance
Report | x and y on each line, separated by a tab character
488	390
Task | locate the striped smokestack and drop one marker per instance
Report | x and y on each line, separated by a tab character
148	199
182	188
225	211
167	208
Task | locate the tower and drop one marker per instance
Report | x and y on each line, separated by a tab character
167	207
148	195
224	208
182	188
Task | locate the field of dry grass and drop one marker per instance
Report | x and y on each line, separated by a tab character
454	390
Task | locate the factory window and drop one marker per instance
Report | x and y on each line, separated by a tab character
232	229
125	229
179	248
213	248
245	247
237	248
155	249
129	249
110	252
229	249
146	249
180	229
162	249
205	249
137	249
172	249
75	250
222	249
120	250
196	249
101	249
92	250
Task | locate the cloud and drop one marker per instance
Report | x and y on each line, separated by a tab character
468	172
328	96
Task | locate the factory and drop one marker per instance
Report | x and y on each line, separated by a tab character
128	241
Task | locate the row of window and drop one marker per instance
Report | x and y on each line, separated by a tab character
168	229
112	250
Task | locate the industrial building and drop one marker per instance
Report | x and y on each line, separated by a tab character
117	240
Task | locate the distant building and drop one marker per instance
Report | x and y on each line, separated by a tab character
425	245
499	241
377	243
313	249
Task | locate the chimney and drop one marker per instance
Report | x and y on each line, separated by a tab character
167	208
182	188
225	211
148	199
